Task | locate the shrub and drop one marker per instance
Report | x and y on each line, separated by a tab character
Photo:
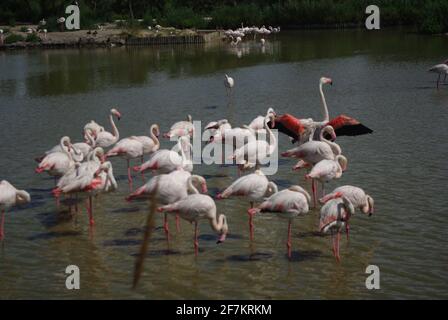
13	37
32	37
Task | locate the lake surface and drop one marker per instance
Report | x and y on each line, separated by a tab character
379	78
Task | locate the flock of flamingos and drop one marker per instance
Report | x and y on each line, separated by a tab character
84	169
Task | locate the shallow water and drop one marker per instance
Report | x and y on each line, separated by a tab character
379	77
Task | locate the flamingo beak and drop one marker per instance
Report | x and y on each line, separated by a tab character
221	238
204	188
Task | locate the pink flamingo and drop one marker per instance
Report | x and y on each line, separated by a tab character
195	207
105	139
356	196
288	204
10	196
326	170
333	218
181	128
255	187
166	161
171	187
441	68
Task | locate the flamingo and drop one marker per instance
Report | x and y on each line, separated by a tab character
58	163
181	128
300	129
356	196
258	122
333	218
440	69
195	207
105	139
94	127
129	148
10	196
171	187
262	42
165	161
253	152
217	126
236	42
326	170
229	83
288	204
255	187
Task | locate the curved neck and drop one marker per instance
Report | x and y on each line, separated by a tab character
218	223
348	206
90	139
191	188
324	104
273	187
22	196
154	137
114	127
334	146
272	140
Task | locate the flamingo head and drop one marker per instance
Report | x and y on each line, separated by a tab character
116	113
325	80
369	207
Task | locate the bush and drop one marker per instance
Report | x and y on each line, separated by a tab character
13	37
32	37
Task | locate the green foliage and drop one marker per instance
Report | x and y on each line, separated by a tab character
14	37
32	37
23	29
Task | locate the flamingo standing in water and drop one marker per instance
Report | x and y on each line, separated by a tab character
94	127
333	218
10	196
229	83
288	204
253	186
105	139
356	196
301	129
181	128
166	161
196	207
170	188
327	170
441	69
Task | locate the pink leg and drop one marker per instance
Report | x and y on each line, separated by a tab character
129	177
347	230
196	242
165	227
251	222
90	211
333	243
288	243
313	187
338	239
2	225
177	223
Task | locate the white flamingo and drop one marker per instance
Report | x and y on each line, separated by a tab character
258	123
229	83
105	139
333	218
196	207
288	204
171	187
94	127
165	161
440	69
10	196
181	128
255	187
327	170
356	196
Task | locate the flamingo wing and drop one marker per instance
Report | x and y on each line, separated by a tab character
289	125
346	126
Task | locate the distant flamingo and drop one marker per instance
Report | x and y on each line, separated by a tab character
262	42
181	128
356	196
288	204
195	207
229	83
165	161
253	186
333	218
171	187
10	196
327	170
441	69
105	139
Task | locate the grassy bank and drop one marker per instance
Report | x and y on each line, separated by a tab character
428	16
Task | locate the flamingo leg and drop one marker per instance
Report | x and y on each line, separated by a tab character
251	222
90	211
338	239
76	203
438	79
2	225
143	175
165	227
323	189
177	223
347	230
129	176
313	188
196	242
288	243
333	243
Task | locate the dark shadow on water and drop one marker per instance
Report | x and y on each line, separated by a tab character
54	234
133	232
256	256
121	242
218	175
53	218
210	107
299	256
158	253
282	183
214	237
126	210
309	234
